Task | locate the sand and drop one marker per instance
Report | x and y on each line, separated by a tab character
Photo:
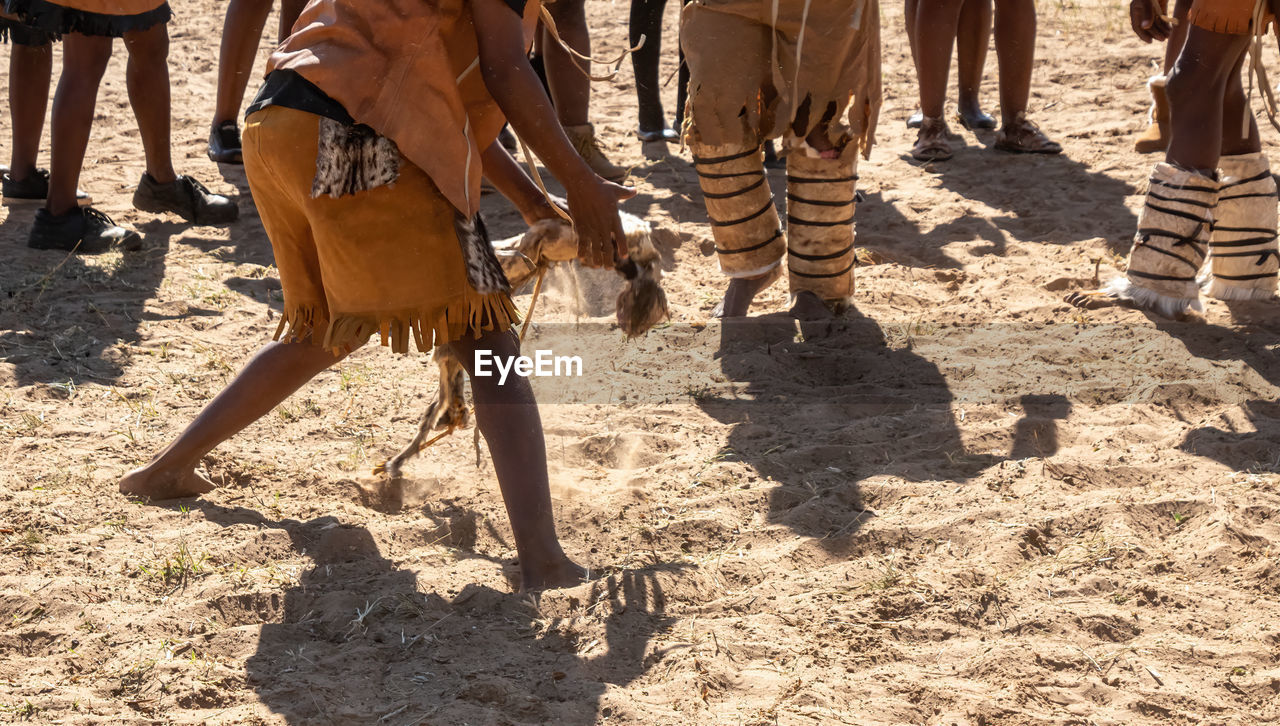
967	503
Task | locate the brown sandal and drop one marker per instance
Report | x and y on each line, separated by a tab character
931	142
1024	137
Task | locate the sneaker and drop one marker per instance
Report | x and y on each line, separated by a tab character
186	198
224	143
584	140
85	230
33	190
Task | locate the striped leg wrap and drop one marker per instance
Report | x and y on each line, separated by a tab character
820	230
744	222
1171	243
1242	246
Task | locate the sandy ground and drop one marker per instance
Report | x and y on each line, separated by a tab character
965	504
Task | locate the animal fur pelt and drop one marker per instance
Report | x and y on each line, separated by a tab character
641	304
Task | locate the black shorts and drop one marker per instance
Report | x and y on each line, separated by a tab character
57	20
12	30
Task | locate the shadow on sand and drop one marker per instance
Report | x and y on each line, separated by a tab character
359	640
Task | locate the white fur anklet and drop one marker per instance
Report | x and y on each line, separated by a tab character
1122	288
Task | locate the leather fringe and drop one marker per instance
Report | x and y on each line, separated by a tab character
469	316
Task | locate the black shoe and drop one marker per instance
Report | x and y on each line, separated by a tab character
649	137
224	143
86	231
186	198
34	190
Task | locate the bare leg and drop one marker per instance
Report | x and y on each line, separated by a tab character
273	375
935	34
1178	36
1016	49
973	36
682	89
1015	29
936	22
1239	129
570	88
30	70
508	417
289	12
147	77
241	33
1197	94
909	11
742	291
84	59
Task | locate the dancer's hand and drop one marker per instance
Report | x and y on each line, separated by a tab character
593	204
1149	20
544	207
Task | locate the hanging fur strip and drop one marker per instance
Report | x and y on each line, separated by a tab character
1171	243
484	271
353	158
1242	246
744	222
821	201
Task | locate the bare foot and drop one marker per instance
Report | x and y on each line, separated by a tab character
742	291
1093	300
932	141
809	307
157	484
563	572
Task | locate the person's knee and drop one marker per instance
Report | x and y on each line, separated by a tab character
33	54
150	46
568	14
86	57
1188	83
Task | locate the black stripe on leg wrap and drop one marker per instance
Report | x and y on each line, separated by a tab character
731	222
819	202
819	180
1175	212
1239	182
730	195
1149	276
811	223
845	271
752	248
815	258
722	159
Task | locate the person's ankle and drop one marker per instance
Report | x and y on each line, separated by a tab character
168	176
652	121
21	172
57	207
1013	120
